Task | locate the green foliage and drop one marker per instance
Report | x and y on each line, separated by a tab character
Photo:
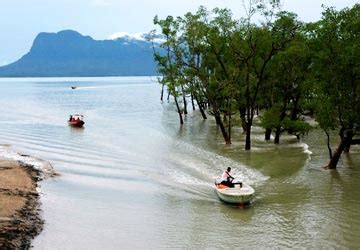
271	118
337	67
297	126
281	65
326	115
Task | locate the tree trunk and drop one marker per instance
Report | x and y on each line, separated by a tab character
202	112
268	134
229	128
277	135
278	129
179	111
222	128
348	134
328	144
353	142
192	102
294	113
184	100
242	112
201	108
248	135
346	140
295	110
162	92
336	156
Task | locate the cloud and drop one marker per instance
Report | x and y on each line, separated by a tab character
135	36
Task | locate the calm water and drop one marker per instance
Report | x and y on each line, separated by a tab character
133	178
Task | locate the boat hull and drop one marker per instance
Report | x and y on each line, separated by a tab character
235	195
76	124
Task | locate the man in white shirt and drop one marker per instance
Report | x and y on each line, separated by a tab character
227	179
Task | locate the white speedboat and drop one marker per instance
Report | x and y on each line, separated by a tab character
236	194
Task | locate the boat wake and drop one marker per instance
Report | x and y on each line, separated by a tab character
94	87
191	171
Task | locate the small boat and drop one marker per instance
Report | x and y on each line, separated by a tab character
73	87
76	120
239	194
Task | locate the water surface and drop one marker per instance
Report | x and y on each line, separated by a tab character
132	177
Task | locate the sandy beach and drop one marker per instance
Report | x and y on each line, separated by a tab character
19	205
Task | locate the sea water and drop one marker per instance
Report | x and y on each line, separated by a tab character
134	178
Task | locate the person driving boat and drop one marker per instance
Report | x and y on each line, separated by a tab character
227	179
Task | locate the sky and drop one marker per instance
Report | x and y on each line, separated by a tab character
22	20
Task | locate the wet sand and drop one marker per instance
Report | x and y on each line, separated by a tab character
20	221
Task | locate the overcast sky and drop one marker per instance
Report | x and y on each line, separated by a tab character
22	20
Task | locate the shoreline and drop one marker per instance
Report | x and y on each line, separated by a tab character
20	219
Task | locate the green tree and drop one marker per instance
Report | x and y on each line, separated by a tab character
337	69
195	63
169	62
285	87
254	48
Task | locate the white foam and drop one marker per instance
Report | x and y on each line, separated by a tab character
38	164
306	149
208	163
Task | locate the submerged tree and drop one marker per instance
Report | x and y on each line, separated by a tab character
169	61
258	46
336	38
234	67
197	56
286	88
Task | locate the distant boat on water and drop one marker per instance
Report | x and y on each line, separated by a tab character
73	87
76	120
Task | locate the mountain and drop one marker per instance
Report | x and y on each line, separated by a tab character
68	53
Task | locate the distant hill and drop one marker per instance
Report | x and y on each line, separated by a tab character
68	53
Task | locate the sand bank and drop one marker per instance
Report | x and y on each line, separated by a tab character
19	204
